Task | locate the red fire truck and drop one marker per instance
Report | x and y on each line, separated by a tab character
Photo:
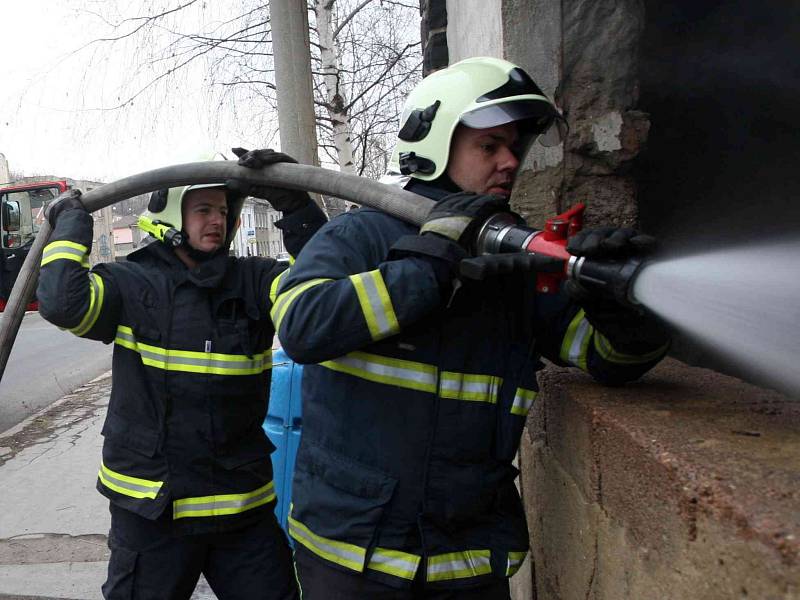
20	219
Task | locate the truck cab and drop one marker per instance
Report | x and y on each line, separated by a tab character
21	216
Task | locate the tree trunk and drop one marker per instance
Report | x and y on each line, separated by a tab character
335	95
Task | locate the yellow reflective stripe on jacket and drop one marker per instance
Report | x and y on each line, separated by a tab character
450	227
127	485
515	560
575	345
472	387
285	299
223	504
441	567
523	400
341	553
96	295
417	376
211	363
607	352
394	562
390	371
375	304
273	288
458	565
66	250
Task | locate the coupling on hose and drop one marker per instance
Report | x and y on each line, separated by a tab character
505	233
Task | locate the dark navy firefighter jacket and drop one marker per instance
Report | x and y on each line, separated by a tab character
413	415
191	371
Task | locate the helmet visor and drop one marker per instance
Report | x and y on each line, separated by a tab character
535	117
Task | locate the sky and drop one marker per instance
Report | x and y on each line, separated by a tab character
54	89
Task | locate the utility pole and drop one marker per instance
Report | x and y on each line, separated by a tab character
296	117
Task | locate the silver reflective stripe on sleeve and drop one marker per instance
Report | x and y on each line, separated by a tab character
523	400
515	560
574	347
96	296
376	304
449	227
135	487
65	250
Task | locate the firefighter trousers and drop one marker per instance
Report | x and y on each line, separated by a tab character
149	562
318	581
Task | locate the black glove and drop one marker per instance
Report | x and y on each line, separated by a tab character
610	242
69	200
458	216
281	199
630	329
484	267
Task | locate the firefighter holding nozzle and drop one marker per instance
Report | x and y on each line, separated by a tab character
418	380
186	464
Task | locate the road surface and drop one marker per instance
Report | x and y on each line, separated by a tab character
46	364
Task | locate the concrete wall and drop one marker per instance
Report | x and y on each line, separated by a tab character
584	54
474	28
682	486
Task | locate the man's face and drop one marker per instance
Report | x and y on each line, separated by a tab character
205	214
484	161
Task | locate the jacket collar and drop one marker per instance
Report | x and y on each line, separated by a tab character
207	274
428	190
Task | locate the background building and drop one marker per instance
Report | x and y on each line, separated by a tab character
257	234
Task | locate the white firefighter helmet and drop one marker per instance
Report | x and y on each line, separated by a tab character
480	93
163	218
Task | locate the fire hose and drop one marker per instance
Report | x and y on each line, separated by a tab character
501	233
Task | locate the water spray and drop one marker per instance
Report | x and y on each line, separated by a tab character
741	304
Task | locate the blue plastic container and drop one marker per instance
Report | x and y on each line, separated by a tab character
283	426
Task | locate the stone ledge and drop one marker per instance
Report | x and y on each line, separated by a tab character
687	468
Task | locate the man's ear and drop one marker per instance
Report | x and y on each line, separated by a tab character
238	222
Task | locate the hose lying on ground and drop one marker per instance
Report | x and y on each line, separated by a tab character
390	199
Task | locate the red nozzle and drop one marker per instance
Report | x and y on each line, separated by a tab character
553	242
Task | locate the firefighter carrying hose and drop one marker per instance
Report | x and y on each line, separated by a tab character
404	484
186	464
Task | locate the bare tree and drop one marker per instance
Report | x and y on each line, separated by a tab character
365	55
368	63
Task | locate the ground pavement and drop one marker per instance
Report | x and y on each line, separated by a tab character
53	523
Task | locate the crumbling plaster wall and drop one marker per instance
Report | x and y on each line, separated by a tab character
590	48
